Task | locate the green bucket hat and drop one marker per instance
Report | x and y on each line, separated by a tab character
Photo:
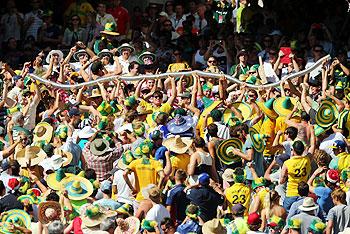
259	182
125	160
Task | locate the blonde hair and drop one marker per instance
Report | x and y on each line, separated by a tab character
322	158
339	195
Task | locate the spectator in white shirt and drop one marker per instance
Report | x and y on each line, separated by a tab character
102	17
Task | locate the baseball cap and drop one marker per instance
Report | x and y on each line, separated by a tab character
242	52
338	144
106	186
74	112
204	179
254	218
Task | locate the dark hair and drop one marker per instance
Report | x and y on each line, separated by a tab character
298	147
292	132
162	118
132	65
90	174
53	196
168	222
199	142
305	116
237	131
303	189
212	130
96	67
158	93
15	167
2	186
181	175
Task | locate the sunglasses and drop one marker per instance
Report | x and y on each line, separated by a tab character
319	51
176	54
75	19
211	61
157	97
167	25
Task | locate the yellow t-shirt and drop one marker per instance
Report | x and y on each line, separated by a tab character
343	161
238	193
180	161
262	195
268	128
163	108
145	174
299	168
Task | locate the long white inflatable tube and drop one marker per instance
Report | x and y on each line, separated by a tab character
187	73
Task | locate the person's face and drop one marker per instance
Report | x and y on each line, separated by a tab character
267	42
142	118
83	58
252	96
101	9
314	90
55	58
35	4
211	62
126	54
179	10
135	69
243	58
105	60
167	26
169	7
75	20
207	93
150	83
12	43
25	99
185	101
20	83
167	229
157	99
317	52
177	55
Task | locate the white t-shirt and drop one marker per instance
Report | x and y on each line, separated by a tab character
125	65
29	118
270	74
157	213
287	147
329	141
124	192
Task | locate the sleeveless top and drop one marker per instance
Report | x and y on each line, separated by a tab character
205	164
198	58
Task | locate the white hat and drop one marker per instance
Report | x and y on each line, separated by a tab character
308	204
60	55
86	132
53	163
163	13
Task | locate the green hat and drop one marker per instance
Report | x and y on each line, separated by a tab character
345	174
138	128
267	108
326	114
149	225
258	139
319	130
146	147
238	177
284	105
251	80
193	211
130	101
179	111
294	223
216	114
254	68
224	151
125	160
110	29
206	87
16	217
276	221
317	227
258	182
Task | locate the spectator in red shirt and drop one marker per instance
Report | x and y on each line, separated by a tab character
121	16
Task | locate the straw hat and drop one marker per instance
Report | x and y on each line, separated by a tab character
54	180
308	204
178	144
228	175
86	132
99	147
126	158
267	108
110	29
30	156
95	93
64	154
224	151
93	215
126	46
130	225
49	211
78	187
327	114
284	105
258	139
214	226
48	57
180	124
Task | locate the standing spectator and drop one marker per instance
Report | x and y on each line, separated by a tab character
92	29
80	8
32	20
121	16
102	17
74	32
11	22
338	217
50	34
179	18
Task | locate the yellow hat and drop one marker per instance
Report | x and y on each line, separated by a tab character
43	132
284	105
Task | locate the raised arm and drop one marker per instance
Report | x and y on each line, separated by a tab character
288	120
173	92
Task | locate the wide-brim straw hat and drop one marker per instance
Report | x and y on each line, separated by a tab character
60	55
308	204
224	153
177	144
284	105
95	215
267	108
43	132
99	147
30	156
43	206
326	114
55	179
130	225
78	187
214	226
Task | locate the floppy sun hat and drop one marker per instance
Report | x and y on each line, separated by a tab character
284	105
15	217
99	147
327	114
60	55
267	108
46	209
177	144
110	29
78	187
224	151
31	155
180	124
258	139
43	132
